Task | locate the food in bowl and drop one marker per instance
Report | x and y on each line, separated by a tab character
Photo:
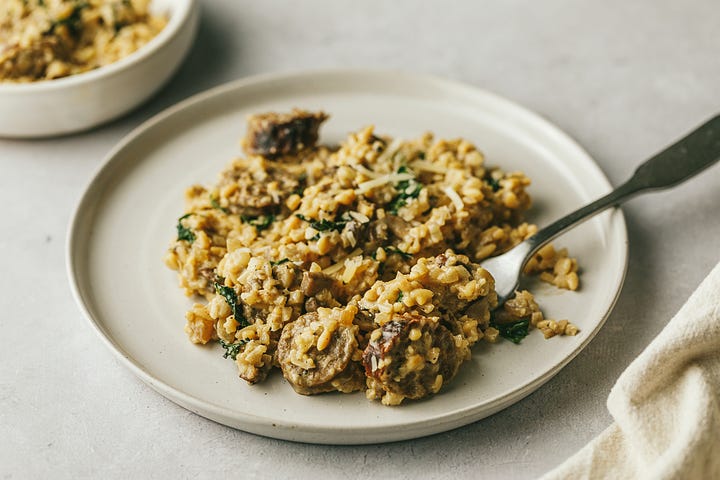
49	39
355	267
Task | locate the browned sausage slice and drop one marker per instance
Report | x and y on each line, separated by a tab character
412	356
316	353
277	134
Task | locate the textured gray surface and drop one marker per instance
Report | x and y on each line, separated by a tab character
623	78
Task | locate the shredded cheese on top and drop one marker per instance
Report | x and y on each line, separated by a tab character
365	187
359	217
454	198
427	166
336	267
390	150
367	172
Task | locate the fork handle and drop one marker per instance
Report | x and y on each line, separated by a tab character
685	158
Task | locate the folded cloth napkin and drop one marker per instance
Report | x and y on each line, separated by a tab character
666	405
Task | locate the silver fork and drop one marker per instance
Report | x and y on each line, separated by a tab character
687	157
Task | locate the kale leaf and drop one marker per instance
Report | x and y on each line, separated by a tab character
397	251
230	296
302	183
232	349
184	233
514	331
260	223
494	184
279	262
323	225
407	189
73	22
215	204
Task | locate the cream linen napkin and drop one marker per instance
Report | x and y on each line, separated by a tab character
666	405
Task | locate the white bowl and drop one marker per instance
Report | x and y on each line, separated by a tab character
85	100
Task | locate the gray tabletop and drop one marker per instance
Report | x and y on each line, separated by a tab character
623	78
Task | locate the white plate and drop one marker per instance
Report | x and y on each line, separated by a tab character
126	218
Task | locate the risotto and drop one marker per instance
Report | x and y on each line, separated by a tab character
355	268
47	39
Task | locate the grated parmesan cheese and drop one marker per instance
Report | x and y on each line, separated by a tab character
367	172
341	263
359	217
389	151
351	266
365	187
427	166
454	198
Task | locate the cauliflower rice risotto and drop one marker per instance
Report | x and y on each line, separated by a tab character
47	39
356	267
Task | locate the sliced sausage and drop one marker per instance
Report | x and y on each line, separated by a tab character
413	356
277	134
324	366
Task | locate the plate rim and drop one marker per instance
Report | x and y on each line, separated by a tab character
300	431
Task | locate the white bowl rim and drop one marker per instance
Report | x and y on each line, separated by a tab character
181	12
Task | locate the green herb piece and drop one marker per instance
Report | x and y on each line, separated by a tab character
302	183
514	331
117	26
73	22
184	233
494	184
260	223
232	349
407	189
381	268
400	297
214	203
230	296
279	262
323	225
397	251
